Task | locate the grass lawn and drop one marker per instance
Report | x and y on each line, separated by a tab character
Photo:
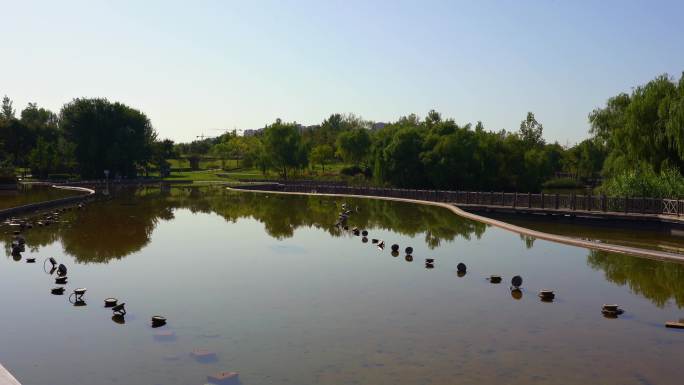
210	171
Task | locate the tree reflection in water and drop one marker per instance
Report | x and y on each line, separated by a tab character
115	228
658	281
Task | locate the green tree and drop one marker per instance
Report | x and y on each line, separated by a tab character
531	131
7	110
321	155
222	151
643	129
43	159
107	136
282	142
354	145
161	151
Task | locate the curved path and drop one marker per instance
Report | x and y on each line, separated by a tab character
49	204
646	253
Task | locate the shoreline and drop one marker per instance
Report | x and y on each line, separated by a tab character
38	206
638	252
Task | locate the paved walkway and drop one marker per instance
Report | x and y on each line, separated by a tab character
6	378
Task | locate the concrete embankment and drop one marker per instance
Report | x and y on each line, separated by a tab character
31	207
645	253
6	378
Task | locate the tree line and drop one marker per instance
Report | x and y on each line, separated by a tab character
87	137
412	152
636	144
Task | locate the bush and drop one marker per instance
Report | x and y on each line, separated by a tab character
356	170
645	183
568	183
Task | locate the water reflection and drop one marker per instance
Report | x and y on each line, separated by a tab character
658	281
28	193
113	229
122	225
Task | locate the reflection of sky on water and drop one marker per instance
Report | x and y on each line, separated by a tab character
281	296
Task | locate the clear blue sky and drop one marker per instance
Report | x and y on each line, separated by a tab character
197	66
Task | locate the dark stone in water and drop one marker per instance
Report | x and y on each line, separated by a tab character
57	291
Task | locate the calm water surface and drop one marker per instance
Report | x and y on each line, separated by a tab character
31	194
281	296
642	235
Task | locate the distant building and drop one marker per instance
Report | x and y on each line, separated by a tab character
250	132
378	125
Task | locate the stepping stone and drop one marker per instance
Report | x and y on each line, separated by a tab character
674	324
203	355
165	335
224	378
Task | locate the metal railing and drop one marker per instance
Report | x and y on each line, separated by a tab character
558	202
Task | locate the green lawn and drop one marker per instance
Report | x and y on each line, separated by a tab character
210	171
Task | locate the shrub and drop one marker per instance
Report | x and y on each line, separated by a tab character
568	183
645	183
356	170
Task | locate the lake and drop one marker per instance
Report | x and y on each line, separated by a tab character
267	286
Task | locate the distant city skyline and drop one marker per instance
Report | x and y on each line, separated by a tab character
219	65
